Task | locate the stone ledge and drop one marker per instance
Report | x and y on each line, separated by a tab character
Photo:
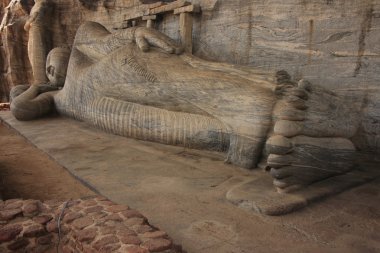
260	196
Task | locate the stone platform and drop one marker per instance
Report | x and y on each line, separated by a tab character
183	191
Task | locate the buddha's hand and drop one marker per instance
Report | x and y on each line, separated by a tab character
146	37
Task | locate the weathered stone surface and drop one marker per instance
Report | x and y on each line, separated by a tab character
130	240
34	231
110	248
52	226
107	230
98	216
42	248
113	217
42	219
136	249
52	59
39	42
11	201
18	244
9	232
141	229
13	205
9	214
90	202
45	240
30	208
14	64
132	214
93	209
52	203
125	232
106	202
67	249
155	234
87	249
71	216
135	221
83	222
101	243
101	198
156	245
117	208
87	235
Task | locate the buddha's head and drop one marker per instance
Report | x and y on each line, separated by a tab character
56	65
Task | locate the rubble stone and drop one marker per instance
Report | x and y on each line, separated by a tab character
157	245
9	232
83	222
87	235
104	228
18	244
105	241
34	231
9	214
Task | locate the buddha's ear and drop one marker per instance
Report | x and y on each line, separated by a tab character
50	70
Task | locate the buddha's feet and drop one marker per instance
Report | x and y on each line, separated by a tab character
312	127
299	161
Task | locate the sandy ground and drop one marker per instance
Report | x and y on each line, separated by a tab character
28	173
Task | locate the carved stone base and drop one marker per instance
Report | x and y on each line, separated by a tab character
259	195
129	170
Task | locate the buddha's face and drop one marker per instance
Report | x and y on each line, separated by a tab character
56	66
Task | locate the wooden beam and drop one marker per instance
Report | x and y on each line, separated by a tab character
149	20
168	7
150	17
186	31
194	8
133	15
140	11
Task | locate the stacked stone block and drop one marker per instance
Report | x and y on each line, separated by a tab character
88	225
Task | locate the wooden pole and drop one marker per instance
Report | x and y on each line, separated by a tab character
186	31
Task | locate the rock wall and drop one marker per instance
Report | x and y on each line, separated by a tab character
14	64
330	42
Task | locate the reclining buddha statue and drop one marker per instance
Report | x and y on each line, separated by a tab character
137	83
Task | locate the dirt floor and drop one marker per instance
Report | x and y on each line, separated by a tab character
28	173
